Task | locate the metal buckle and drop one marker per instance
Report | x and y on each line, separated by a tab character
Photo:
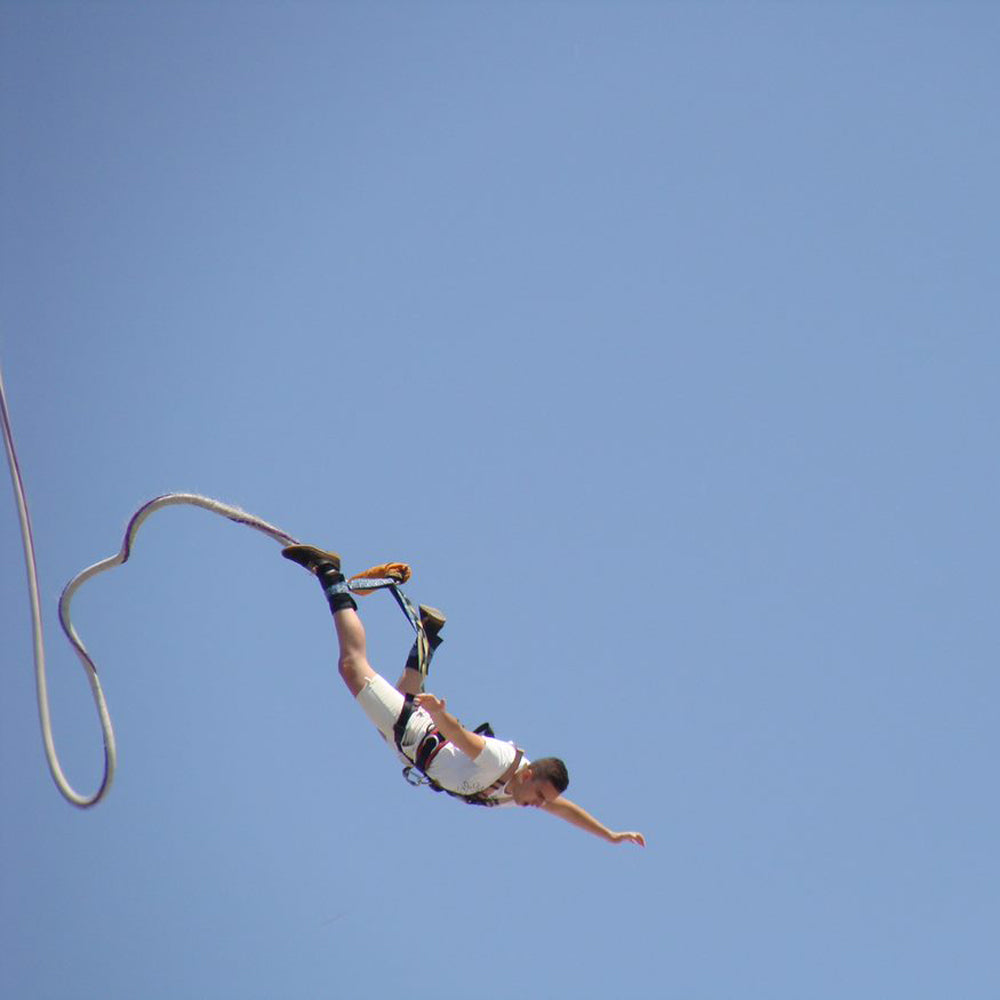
414	777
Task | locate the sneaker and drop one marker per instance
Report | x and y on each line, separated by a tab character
311	558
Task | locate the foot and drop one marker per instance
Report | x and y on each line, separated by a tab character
311	558
432	619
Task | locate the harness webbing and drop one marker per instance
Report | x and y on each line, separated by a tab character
422	650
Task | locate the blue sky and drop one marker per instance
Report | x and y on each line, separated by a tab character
660	340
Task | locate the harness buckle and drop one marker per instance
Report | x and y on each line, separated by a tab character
414	777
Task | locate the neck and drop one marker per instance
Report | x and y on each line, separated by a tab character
515	779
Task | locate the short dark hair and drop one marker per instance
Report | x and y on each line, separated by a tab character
551	769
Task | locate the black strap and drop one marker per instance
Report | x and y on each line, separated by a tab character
399	729
428	750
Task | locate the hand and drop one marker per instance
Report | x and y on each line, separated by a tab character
431	704
631	836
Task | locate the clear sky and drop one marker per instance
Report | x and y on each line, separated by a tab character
661	340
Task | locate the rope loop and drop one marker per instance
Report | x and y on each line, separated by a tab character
97	692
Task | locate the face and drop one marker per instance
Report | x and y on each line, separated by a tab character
532	791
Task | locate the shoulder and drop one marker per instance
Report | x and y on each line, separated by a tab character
500	751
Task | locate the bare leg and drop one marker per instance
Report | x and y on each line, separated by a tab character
410	682
353	663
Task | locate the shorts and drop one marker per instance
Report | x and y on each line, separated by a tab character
382	703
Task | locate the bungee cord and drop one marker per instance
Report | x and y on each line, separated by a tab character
110	755
136	521
387	576
97	692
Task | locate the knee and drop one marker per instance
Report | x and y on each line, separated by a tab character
352	664
354	671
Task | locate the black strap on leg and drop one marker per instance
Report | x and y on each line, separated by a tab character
401	723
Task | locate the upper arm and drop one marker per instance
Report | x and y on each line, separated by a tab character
559	806
471	744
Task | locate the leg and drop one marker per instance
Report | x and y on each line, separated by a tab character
325	566
353	662
410	682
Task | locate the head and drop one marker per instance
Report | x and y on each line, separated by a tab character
540	783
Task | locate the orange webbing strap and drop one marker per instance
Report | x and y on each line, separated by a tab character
378	577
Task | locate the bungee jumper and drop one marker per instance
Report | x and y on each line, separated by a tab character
471	765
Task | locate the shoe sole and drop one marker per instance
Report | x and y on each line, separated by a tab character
309	555
432	617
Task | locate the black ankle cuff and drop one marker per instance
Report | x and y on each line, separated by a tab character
338	594
341	602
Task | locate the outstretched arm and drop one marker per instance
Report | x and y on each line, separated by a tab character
578	816
471	744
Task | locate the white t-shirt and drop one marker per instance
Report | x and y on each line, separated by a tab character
455	771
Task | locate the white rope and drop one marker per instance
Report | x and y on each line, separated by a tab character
110	755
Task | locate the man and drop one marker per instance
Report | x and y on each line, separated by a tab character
472	766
